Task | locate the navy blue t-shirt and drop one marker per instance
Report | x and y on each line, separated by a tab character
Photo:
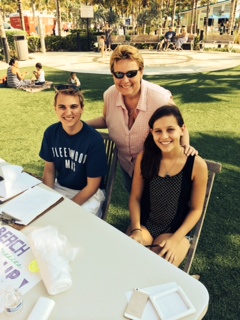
75	157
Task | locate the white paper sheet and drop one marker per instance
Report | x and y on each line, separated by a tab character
27	206
15	182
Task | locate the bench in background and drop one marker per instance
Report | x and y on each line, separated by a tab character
145	39
223	39
189	45
117	40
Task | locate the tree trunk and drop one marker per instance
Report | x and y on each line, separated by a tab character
207	18
4	40
231	19
192	14
174	12
58	17
21	14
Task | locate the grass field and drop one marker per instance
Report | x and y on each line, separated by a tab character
210	104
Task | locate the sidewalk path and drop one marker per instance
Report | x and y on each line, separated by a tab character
156	63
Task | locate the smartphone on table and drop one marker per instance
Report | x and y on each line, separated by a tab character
136	305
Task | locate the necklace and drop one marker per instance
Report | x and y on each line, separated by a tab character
130	112
168	170
130	109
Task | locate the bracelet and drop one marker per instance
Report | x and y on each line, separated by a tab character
137	229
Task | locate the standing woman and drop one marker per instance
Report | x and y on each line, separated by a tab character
128	105
168	188
108	32
15	79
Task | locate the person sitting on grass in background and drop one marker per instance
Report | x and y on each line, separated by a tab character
15	79
39	74
168	188
73	80
74	153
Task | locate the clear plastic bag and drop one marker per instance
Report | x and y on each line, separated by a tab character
53	254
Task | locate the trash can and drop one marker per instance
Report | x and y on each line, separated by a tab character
21	47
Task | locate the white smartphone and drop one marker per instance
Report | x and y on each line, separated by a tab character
136	305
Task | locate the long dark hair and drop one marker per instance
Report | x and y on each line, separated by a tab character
152	154
12	61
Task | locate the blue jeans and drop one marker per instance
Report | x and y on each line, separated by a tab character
127	180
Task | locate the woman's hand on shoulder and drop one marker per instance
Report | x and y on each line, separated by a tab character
190	151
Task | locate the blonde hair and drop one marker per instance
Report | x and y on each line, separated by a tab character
124	52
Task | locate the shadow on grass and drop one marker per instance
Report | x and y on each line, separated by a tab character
92	85
219	146
195	88
189	88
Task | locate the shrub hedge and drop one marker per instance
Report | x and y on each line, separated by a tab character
76	41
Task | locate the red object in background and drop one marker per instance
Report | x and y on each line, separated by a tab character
48	23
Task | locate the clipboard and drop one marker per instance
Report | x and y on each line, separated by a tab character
29	206
24	182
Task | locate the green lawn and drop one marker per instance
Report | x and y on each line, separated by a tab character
210	104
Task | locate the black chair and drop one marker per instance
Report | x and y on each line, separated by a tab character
112	152
213	169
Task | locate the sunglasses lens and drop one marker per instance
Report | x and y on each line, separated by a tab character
67	87
119	75
131	74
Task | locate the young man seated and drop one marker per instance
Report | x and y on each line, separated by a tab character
74	153
168	38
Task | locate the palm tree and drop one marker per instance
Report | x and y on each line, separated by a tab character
58	10
232	15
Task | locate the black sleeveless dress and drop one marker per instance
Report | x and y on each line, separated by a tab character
165	201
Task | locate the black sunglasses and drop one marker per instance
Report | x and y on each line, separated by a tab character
72	87
129	74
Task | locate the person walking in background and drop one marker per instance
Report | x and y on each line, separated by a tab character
73	80
128	105
102	45
74	153
15	79
108	32
168	188
39	74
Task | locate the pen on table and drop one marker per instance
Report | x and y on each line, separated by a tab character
151	246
